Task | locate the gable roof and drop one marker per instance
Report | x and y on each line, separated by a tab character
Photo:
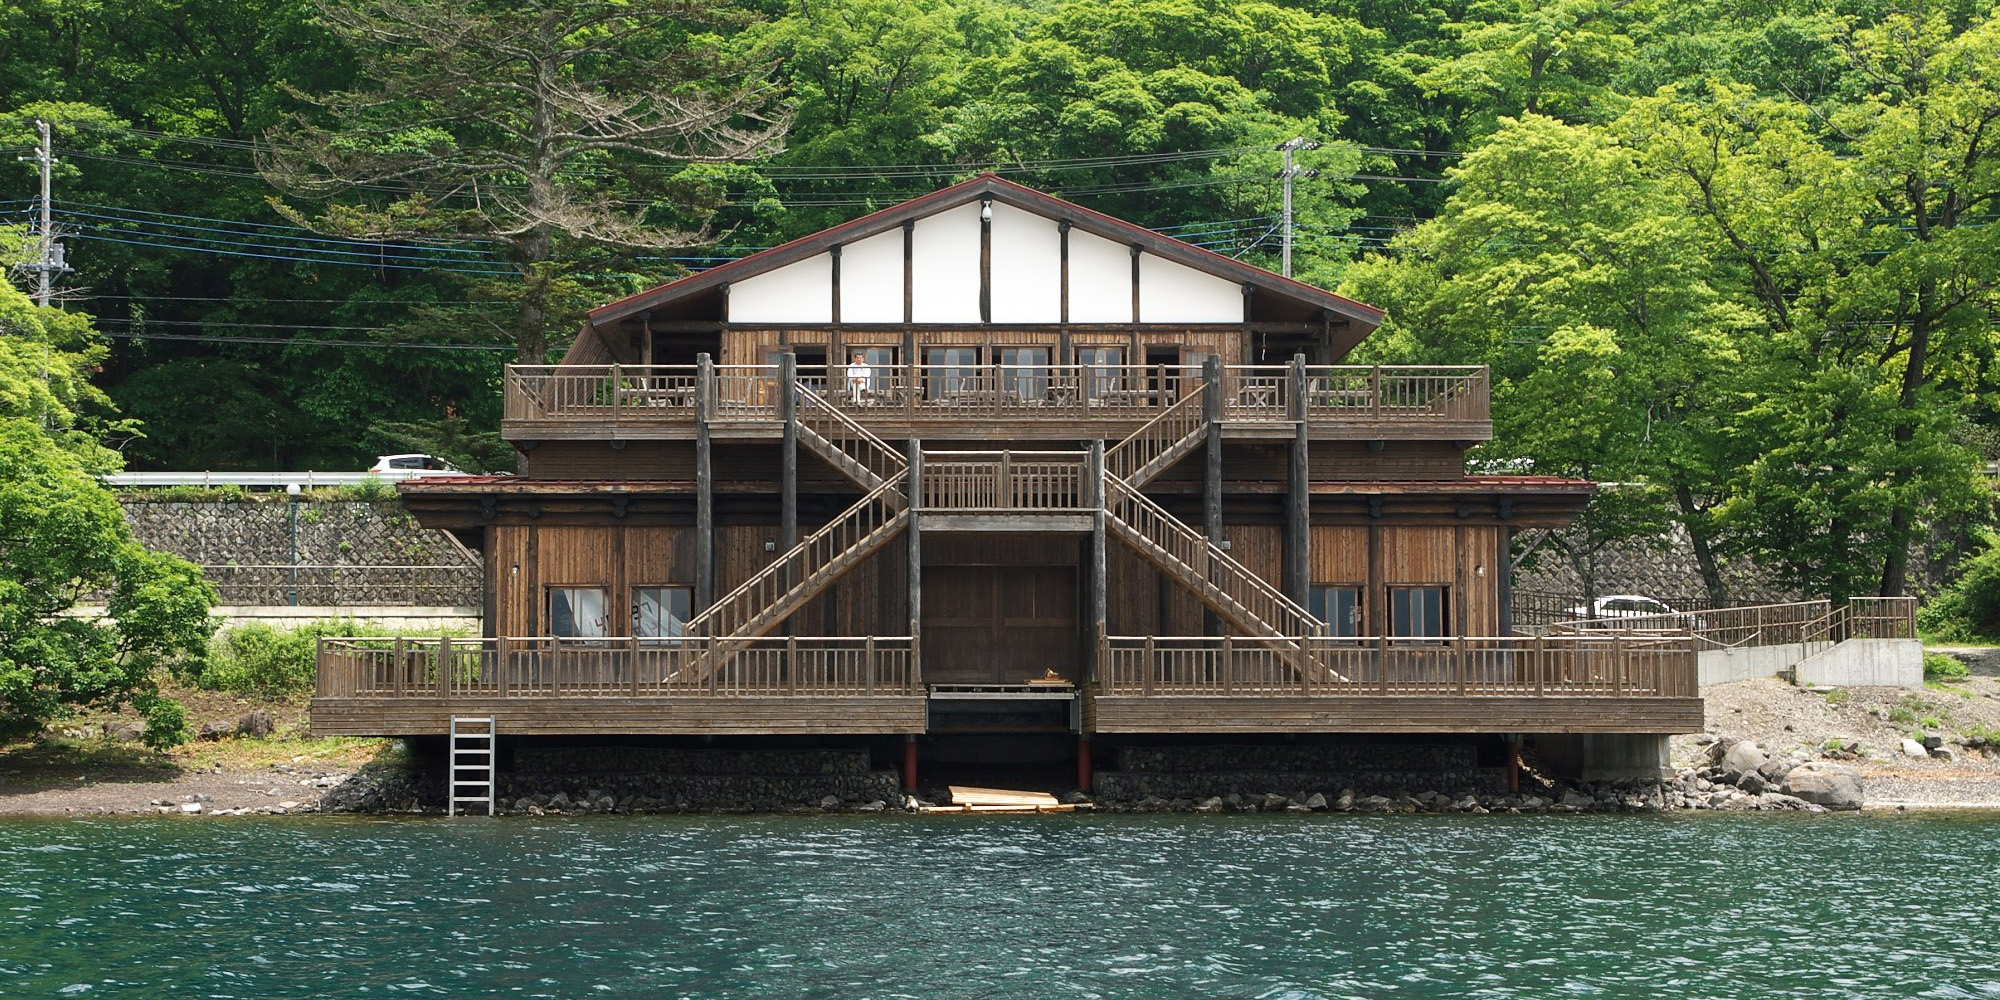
1008	193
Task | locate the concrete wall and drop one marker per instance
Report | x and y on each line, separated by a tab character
1864	662
1724	666
385	620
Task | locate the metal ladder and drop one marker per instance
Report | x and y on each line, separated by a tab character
473	742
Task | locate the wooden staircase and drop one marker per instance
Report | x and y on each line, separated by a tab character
853	450
765	600
1241	597
1164	440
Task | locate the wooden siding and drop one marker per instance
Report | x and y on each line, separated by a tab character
1429	714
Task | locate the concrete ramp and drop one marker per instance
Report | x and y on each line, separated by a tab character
1865	662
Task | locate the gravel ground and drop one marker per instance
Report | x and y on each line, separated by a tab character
1783	718
161	792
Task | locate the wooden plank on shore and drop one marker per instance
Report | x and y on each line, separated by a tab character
981	798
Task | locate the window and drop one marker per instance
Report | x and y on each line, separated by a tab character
871	371
1103	369
577	612
661	612
1024	372
1416	612
1339	607
951	371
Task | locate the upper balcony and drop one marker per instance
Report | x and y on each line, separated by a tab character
1338	402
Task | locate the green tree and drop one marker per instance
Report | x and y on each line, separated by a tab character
537	127
63	539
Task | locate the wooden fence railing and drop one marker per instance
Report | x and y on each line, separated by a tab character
547	667
1611	665
1768	624
1256	393
1005	480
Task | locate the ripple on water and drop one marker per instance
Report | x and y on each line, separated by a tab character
1287	908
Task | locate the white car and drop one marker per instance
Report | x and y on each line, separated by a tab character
413	466
1622	606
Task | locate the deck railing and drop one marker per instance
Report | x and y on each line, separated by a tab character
1250	393
1769	624
1610	665
1005	480
549	667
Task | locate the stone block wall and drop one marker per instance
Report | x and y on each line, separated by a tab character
348	552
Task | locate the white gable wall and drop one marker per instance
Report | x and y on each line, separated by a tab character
1176	293
1026	279
1100	279
944	253
796	293
871	279
1027	267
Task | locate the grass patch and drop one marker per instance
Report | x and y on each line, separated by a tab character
1916	710
1838	697
261	661
1942	669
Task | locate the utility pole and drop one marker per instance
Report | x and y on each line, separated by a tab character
1288	147
48	253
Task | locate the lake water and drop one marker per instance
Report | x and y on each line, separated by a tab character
1724	906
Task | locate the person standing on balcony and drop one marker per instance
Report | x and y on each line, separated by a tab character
858	376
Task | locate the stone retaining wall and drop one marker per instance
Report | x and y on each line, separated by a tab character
349	552
1200	772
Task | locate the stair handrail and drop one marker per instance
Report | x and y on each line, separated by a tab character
888	496
1157	436
1277	612
878	458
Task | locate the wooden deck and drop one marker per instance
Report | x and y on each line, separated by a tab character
1338	402
1608	683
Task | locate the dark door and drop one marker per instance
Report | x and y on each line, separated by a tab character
998	624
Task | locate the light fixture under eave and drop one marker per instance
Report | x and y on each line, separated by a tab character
986	210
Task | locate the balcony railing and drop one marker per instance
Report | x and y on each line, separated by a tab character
548	667
1004	480
1611	665
674	394
1767	624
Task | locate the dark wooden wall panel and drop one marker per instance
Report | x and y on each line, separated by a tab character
1419	556
1355	461
637	460
1339	555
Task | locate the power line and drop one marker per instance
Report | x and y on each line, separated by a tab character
291	342
435	247
286	257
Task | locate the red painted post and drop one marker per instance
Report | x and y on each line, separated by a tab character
910	762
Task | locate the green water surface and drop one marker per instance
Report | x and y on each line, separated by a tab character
1280	907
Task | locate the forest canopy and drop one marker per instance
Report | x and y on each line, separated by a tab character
1738	258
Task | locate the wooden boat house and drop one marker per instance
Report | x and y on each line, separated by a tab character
988	461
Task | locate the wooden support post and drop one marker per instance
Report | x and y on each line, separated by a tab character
1228	665
1099	586
1458	653
1211	491
788	500
909	762
444	666
914	490
704	486
402	667
1149	667
500	664
1083	766
1298	497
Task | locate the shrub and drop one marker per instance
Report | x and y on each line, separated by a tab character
263	661
1969	609
1945	669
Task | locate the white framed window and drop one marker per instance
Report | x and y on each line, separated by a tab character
1417	612
577	612
661	612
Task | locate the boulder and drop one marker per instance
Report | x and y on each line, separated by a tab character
1751	782
1273	802
1774	770
1744	756
257	723
1833	786
214	731
124	731
1345	801
1911	748
1316	802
